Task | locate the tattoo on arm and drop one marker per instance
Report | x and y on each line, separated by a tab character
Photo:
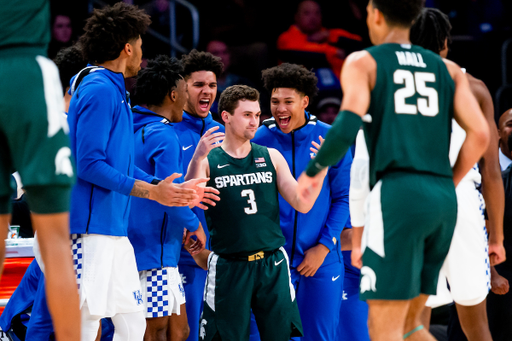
138	190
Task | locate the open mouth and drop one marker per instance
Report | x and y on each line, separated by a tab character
284	121
204	104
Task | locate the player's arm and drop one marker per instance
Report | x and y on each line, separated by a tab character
469	116
357	79
492	183
287	185
200	258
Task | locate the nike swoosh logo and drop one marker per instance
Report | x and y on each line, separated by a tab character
335	278
277	263
185	148
219	166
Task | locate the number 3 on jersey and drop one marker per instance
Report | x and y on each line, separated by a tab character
251	201
416	83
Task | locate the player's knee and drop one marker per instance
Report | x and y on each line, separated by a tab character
182	333
129	327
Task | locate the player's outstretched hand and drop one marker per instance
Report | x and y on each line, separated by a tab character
208	141
313	259
316	146
169	193
205	195
195	246
357	257
496	253
499	284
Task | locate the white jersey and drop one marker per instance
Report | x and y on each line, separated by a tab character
457	139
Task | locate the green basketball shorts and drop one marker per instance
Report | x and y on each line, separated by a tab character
33	132
408	229
234	287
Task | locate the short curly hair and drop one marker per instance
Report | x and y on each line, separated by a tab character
232	95
109	29
399	13
157	79
201	61
70	61
290	76
431	29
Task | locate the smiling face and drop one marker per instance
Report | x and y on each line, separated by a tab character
287	106
202	89
245	120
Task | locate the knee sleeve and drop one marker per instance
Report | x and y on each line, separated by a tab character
129	327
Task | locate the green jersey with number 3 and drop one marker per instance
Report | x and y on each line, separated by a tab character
409	123
246	219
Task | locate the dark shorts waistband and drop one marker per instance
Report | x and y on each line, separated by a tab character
256	256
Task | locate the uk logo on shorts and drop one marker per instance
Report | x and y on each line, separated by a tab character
182	290
368	280
138	297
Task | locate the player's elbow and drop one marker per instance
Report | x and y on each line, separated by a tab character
304	208
483	137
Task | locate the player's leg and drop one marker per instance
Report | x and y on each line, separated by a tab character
319	301
386	319
274	303
414	329
61	290
227	300
129	326
473	320
194	279
178	325
90	324
353	323
467	264
156	328
6	191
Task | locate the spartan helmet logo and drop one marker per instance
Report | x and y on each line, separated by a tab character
368	280
202	330
63	163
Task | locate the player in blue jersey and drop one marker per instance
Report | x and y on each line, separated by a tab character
197	131
101	134
156	231
312	239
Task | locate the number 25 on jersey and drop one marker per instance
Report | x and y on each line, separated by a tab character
416	83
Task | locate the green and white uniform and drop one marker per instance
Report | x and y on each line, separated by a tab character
248	268
412	207
33	128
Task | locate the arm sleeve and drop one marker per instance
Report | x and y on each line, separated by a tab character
94	123
162	149
359	181
339	178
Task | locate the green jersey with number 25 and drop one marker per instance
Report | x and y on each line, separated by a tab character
408	125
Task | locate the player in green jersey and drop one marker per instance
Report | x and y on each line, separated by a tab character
34	141
410	95
248	268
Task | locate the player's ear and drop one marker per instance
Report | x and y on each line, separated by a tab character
305	101
225	116
172	95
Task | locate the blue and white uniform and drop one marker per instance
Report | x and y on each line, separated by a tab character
189	131
467	267
155	230
318	297
101	134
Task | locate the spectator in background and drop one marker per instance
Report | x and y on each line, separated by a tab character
327	109
505	129
227	78
62	33
308	43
